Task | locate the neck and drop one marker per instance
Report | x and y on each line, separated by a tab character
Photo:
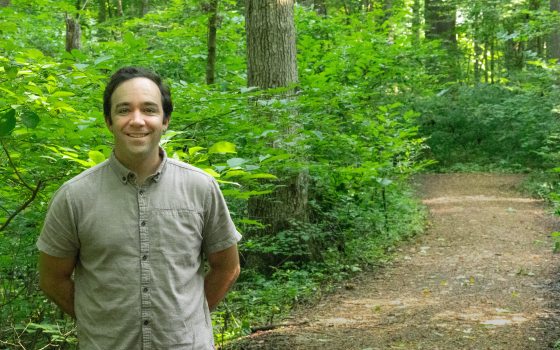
141	166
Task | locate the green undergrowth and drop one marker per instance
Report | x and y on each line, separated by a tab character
263	298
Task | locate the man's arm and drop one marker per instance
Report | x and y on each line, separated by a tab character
55	279
224	270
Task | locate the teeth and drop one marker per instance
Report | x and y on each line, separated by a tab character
137	135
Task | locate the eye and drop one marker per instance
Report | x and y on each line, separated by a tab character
150	110
122	110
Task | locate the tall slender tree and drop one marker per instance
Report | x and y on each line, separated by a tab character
553	45
144	7
212	10
440	18
73	29
271	63
102	15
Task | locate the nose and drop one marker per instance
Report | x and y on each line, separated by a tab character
137	118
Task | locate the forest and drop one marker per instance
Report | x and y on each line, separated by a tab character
312	115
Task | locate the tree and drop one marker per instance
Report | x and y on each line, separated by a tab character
102	16
553	46
440	21
73	29
271	63
144	7
271	43
212	9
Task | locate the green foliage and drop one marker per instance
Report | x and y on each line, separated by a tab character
489	125
357	124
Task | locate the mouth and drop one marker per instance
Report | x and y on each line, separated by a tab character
137	135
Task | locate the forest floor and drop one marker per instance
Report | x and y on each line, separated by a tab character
483	276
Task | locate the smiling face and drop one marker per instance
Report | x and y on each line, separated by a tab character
137	121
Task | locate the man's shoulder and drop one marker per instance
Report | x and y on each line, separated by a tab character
86	176
185	168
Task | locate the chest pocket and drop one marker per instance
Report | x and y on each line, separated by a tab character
176	231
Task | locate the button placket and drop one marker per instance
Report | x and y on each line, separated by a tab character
144	267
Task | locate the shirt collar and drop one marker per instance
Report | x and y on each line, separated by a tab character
126	175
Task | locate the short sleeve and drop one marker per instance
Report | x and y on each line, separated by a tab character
59	234
219	231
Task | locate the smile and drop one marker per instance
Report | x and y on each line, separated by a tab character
137	135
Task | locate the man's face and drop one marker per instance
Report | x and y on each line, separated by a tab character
137	119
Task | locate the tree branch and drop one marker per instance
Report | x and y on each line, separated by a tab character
24	205
12	164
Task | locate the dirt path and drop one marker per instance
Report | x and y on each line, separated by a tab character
482	277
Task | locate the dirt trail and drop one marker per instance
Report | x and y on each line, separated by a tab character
482	277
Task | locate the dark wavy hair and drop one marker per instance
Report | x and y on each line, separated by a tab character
127	73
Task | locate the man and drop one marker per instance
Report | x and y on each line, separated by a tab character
132	232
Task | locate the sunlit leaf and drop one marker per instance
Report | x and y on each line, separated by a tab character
222	147
96	156
211	172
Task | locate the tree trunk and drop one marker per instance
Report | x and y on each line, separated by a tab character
119	8
212	31
144	7
553	46
439	16
271	43
387	9
5	3
320	7
440	22
73	33
271	63
102	15
536	43
416	20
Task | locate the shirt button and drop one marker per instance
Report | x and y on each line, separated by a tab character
144	257
145	290
141	192
124	178
143	223
146	322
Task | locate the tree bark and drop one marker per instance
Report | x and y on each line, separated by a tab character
73	33
144	7
102	15
440	22
320	7
416	20
271	63
212	33
271	43
553	47
119	8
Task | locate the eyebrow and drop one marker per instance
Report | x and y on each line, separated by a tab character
143	104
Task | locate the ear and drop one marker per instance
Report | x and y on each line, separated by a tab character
165	124
109	124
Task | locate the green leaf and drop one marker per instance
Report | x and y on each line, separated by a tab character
62	94
8	122
211	172
195	149
30	119
235	162
102	59
12	72
96	156
262	176
222	147
33	53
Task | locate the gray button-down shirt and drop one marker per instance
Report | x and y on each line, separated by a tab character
139	280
